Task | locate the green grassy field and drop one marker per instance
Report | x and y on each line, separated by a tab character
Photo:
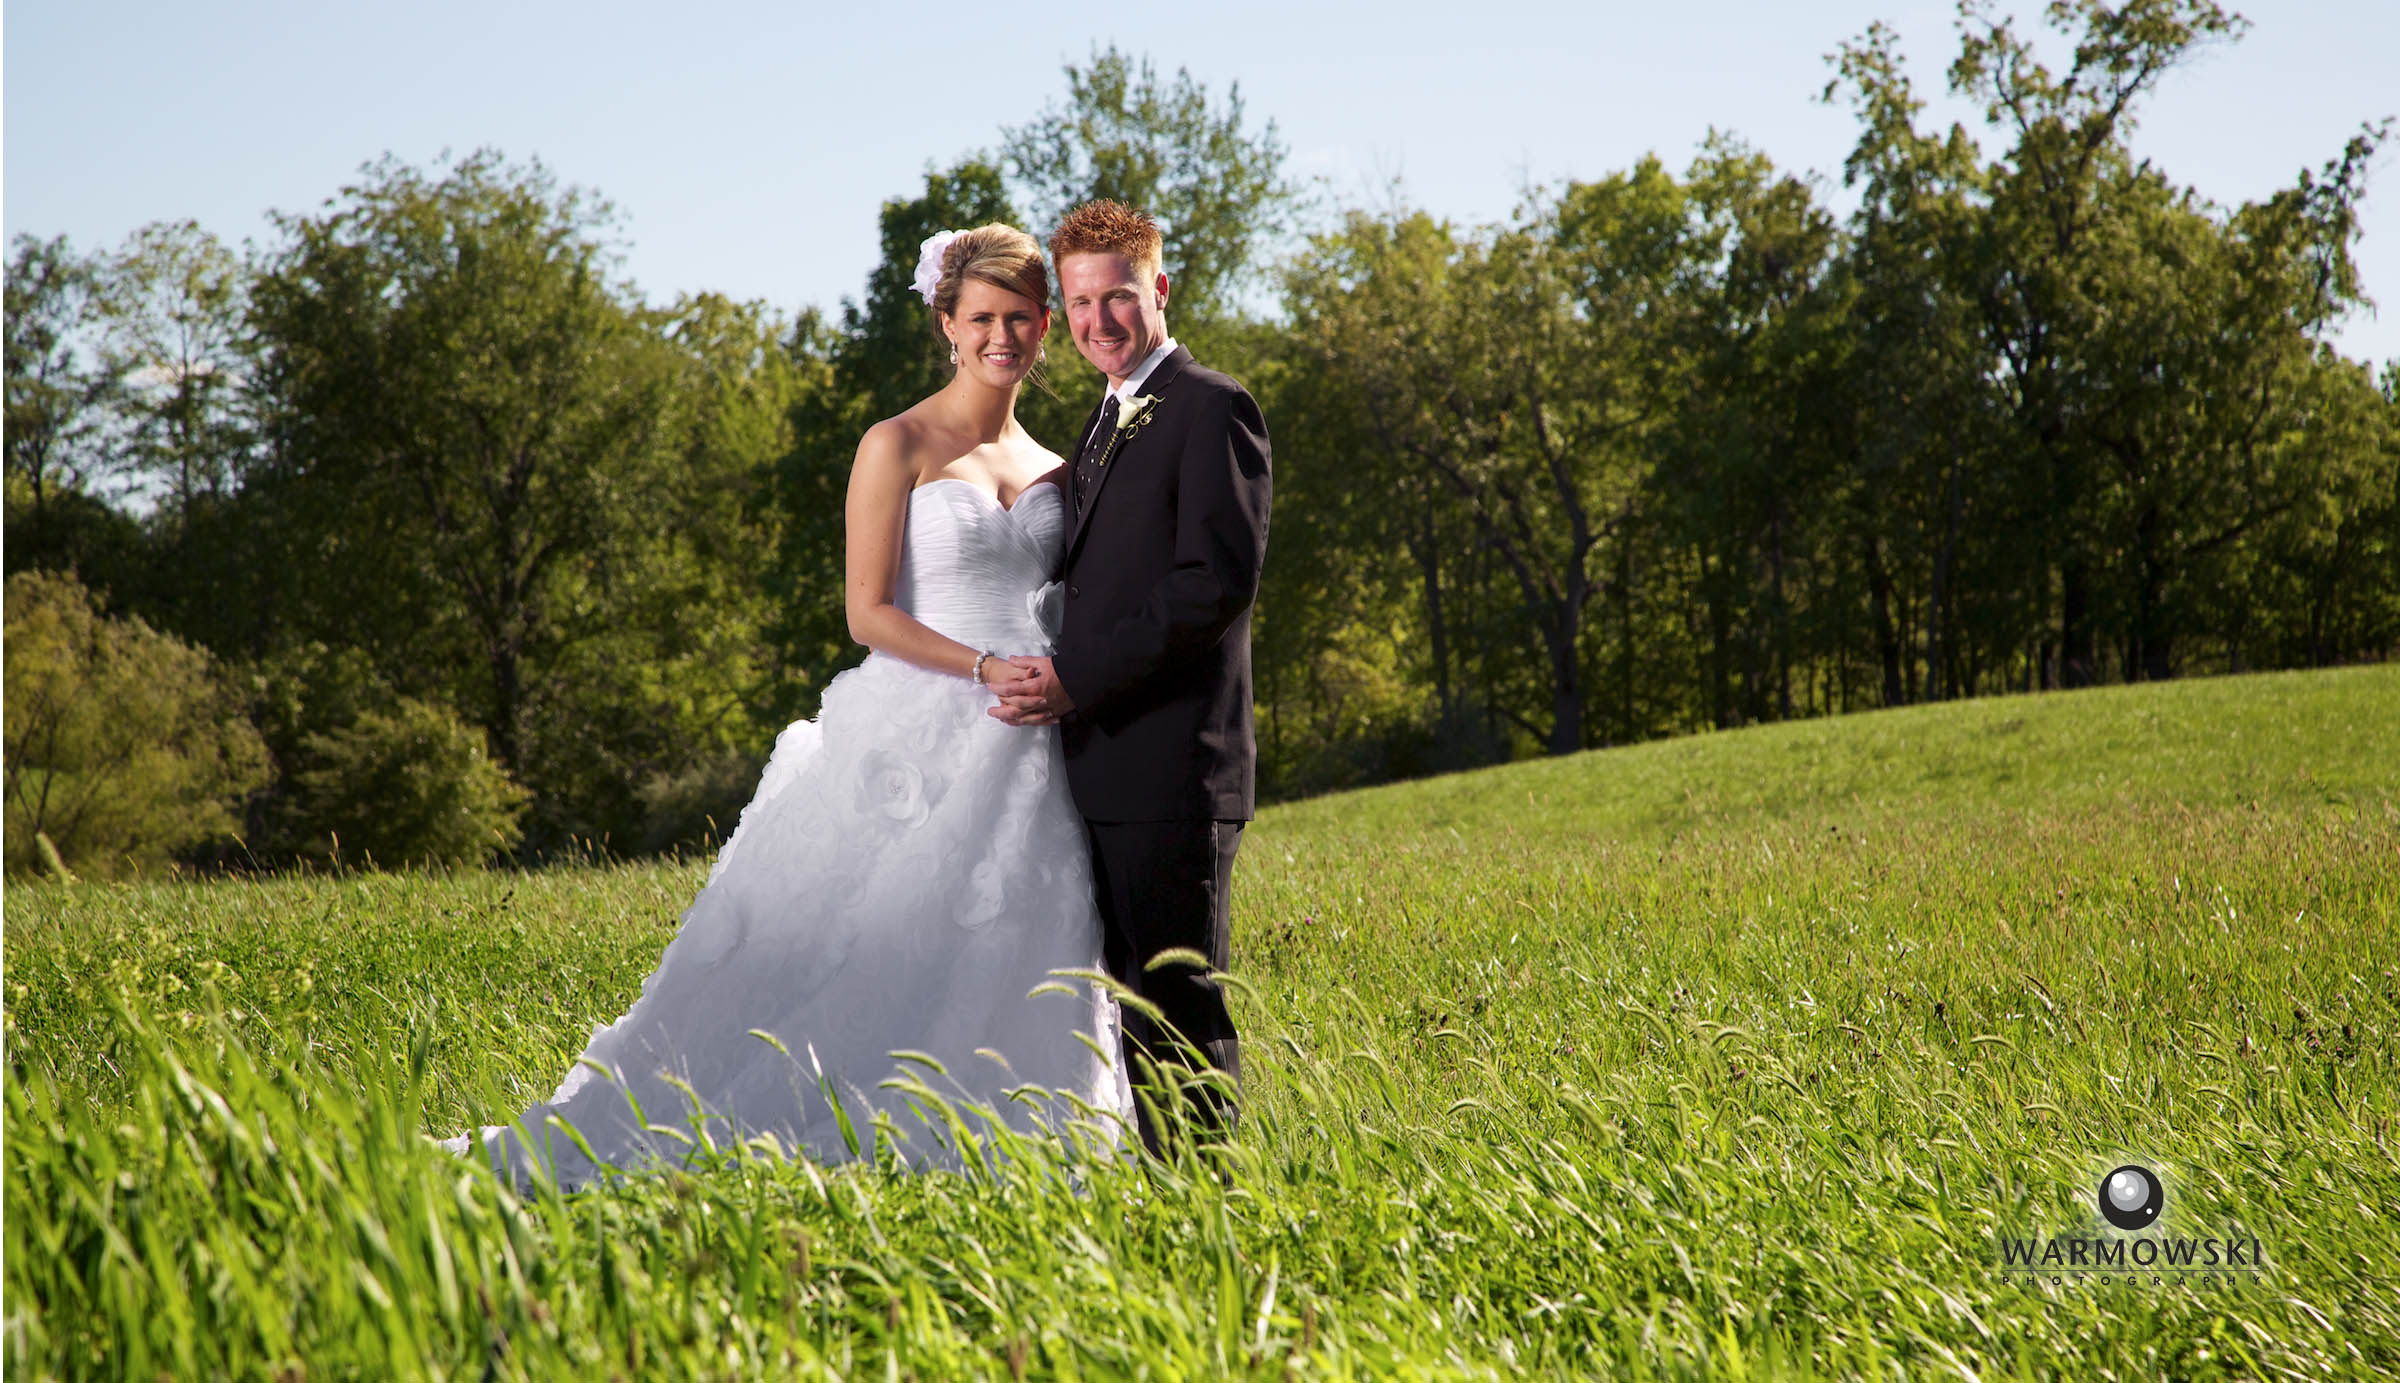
1736	1055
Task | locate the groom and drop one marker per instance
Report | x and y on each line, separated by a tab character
1151	682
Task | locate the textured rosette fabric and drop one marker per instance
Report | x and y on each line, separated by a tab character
1046	610
909	871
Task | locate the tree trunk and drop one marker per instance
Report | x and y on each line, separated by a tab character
1624	597
1783	621
1566	662
1879	608
1566	699
508	696
2077	659
1940	627
1429	561
2151	651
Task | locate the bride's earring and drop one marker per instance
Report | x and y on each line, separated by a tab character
954	352
1041	354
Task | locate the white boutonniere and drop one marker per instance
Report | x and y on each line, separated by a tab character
1134	411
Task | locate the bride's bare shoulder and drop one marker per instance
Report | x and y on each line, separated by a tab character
899	440
900	429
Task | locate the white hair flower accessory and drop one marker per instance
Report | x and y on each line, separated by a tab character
929	264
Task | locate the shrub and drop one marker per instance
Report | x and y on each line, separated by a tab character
406	785
125	746
695	810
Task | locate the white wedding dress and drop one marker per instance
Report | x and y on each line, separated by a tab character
906	880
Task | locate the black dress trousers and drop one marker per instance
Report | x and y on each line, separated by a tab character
1165	885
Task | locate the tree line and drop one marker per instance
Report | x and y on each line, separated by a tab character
420	535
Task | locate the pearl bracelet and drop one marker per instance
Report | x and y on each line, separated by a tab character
975	674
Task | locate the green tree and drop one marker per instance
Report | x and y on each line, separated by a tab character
2062	484
2047	253
125	746
1376	310
173	308
520	492
2320	583
1922	507
1346	641
2214	344
1519	380
467	427
59	387
1730	332
660	718
1217	188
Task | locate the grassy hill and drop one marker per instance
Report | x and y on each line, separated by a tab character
1744	1053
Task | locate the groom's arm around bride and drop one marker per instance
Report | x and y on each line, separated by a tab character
1151	681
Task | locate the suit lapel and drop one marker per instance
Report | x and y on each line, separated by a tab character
1156	386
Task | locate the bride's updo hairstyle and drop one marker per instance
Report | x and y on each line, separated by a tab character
1000	255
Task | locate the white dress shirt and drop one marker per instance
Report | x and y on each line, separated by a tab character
1133	382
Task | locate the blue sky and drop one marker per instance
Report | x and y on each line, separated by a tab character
750	144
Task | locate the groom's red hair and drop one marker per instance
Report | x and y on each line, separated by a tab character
1109	228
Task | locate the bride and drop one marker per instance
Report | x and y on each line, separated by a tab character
891	908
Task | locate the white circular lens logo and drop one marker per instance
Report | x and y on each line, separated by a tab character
2131	1197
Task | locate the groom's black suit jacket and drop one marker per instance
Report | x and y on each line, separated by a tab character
1154	649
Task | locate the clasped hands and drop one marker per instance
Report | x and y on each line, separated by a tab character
1029	691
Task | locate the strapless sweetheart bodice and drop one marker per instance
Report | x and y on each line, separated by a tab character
980	573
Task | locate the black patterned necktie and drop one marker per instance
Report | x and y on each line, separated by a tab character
1087	463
